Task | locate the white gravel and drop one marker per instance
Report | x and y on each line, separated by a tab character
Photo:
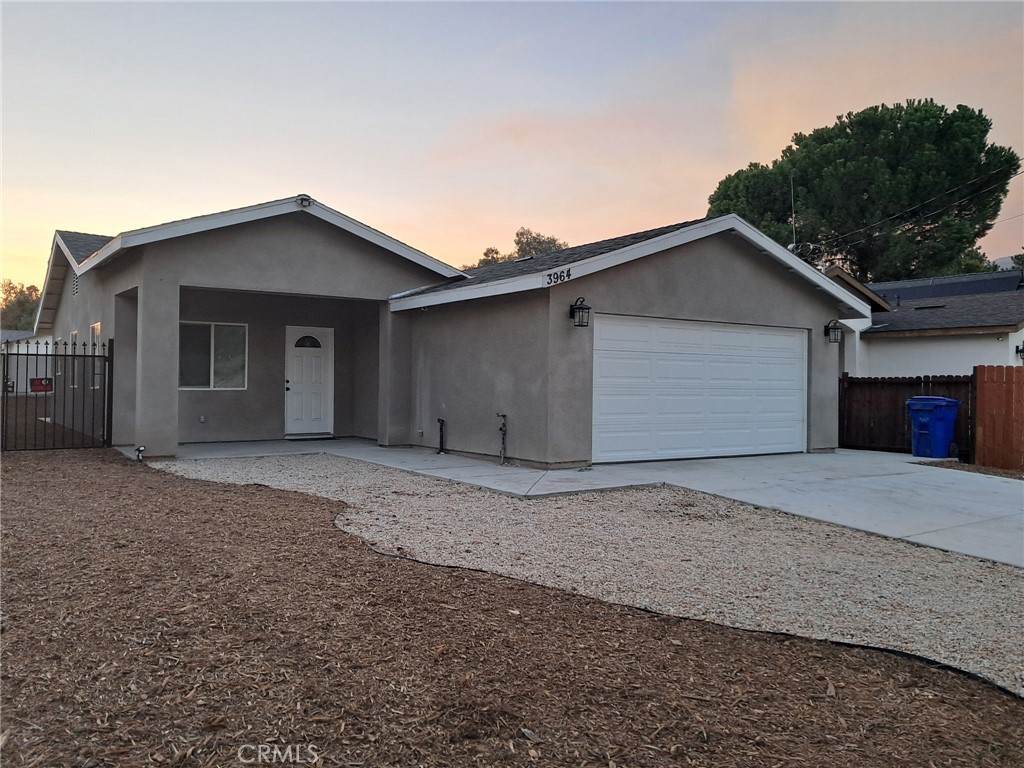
680	552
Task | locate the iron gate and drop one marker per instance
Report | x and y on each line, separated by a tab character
56	395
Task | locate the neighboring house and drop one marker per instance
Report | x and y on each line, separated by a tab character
289	319
939	325
25	356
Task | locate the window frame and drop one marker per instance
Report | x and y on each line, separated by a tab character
76	367
213	356
95	341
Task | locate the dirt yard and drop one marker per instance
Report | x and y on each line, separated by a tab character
149	619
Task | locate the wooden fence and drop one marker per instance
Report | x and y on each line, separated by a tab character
873	412
999	429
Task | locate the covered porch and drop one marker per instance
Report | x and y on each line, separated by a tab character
245	366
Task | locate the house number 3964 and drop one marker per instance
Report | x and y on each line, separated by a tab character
553	278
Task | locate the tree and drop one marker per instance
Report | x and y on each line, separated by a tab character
18	305
1017	261
888	193
527	243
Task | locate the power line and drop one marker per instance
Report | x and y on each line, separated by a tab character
919	216
918	205
1008	218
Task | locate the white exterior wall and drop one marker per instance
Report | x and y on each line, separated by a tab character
934	355
36	362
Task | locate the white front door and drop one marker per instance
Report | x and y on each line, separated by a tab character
309	381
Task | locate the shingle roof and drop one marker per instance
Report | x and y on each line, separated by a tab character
952	285
545	261
7	336
985	310
82	245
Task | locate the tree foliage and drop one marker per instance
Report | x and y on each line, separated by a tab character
1017	260
18	305
527	243
888	193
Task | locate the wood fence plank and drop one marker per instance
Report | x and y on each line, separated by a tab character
874	410
1000	433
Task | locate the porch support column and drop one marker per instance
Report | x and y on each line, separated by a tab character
394	394
126	336
156	376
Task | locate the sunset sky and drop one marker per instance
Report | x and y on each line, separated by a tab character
448	126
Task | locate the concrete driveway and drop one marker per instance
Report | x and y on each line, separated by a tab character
886	493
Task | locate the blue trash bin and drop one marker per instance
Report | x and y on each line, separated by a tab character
932	420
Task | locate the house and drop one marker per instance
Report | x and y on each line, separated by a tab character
25	356
290	320
937	325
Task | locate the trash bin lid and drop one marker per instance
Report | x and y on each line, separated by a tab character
928	402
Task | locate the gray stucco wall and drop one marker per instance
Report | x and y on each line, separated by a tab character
293	254
521	354
294	257
474	360
257	413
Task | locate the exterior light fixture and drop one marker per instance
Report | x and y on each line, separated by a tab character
834	332
304	201
580	313
1020	351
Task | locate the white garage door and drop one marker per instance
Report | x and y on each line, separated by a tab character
668	389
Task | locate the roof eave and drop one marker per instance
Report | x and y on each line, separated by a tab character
977	330
198	224
853	306
58	250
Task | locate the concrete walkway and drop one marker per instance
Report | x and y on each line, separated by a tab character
886	493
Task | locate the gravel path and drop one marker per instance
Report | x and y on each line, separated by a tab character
683	553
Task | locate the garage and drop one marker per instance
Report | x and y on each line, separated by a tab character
672	389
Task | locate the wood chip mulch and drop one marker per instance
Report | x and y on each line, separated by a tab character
1015	474
152	620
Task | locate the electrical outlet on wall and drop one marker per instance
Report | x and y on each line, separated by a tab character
202	419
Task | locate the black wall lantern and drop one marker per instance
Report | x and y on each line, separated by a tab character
834	332
1020	351
580	313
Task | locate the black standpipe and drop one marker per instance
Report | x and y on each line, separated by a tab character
504	435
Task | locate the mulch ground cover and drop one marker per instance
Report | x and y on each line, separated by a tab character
1015	474
152	620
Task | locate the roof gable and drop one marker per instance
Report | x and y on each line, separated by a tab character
588	259
79	246
543	262
81	252
116	246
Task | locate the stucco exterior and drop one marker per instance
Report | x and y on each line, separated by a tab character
521	355
465	357
946	355
318	276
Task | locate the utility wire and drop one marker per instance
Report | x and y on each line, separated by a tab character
918	205
1008	218
914	218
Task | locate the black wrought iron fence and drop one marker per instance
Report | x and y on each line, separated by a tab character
56	395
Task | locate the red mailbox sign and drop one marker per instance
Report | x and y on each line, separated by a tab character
40	385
